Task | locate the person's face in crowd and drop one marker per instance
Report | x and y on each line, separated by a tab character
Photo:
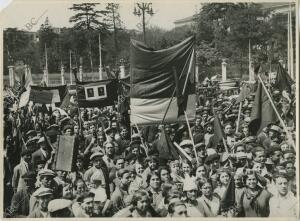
201	172
242	162
228	130
172	134
43	145
238	181
276	156
186	168
27	158
290	169
272	134
206	189
165	176
155	182
246	131
204	115
251	181
240	149
68	132
75	117
81	188
126	179
88	205
198	121
46	181
47	117
282	185
97	208
39	167
79	164
214	164
30	184
114	125
224	178
289	157
201	152
175	168
109	149
100	139
120	164
185	135
41	116
285	147
135	150
61	174
189	151
273	78
260	156
152	164
43	202
85	125
191	194
139	169
143	204
76	129
258	167
92	128
97	162
209	128
179	211
124	133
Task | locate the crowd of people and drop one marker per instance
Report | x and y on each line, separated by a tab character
119	171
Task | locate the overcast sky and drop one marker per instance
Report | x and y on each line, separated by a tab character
21	12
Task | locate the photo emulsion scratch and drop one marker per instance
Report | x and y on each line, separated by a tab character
149	109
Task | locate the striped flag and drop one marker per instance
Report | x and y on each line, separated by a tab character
155	76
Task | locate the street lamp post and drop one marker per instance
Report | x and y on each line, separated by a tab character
141	9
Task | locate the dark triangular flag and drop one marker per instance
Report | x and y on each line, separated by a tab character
228	199
283	79
262	112
166	148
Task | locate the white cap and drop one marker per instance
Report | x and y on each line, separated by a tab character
58	204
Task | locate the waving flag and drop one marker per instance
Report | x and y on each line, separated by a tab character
283	79
262	111
155	76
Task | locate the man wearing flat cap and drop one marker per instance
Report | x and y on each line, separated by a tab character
100	167
42	153
43	196
60	208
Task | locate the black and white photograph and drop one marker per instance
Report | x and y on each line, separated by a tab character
150	109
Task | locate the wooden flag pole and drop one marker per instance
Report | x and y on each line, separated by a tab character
239	118
191	136
144	145
182	151
278	115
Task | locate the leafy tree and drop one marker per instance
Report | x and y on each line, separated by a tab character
90	19
114	21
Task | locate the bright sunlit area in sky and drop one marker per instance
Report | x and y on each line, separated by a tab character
18	13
